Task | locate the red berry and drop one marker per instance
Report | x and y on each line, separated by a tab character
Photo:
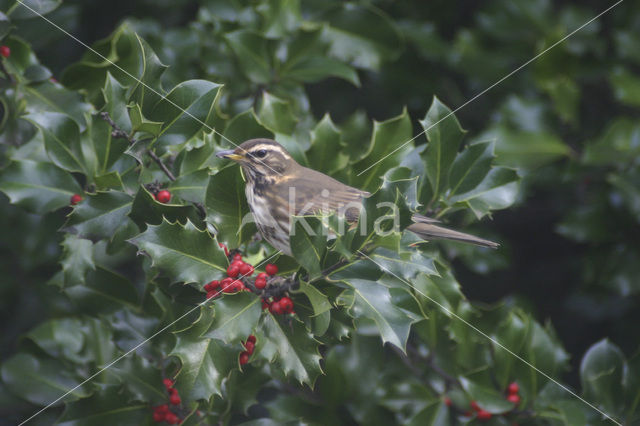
211	294
275	308
163	196
233	271
168	383
237	263
286	304
172	419
447	401
212	285
251	338
246	270
265	304
158	417
271	269
75	199
237	257
164	408
244	358
175	399
260	283
514	398
238	286
513	388
226	250
173	391
475	406
249	346
5	51
262	275
483	416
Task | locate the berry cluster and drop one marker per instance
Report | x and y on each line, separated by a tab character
5	51
230	284
512	393
279	306
75	199
162	413
237	270
249	346
481	414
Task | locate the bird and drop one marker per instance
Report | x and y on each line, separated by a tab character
277	187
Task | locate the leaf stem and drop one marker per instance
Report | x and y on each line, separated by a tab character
117	132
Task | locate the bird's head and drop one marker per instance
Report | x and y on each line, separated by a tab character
260	158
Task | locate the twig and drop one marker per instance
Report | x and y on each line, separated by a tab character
276	286
4	70
161	165
117	132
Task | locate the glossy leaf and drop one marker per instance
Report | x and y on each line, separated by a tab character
38	187
227	207
40	381
99	215
235	318
373	301
184	252
444	136
206	362
291	347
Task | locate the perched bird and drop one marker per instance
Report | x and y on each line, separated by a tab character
277	187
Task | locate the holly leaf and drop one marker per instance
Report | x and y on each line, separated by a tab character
291	347
361	35
103	291
276	114
48	97
370	299
61	139
141	378
387	148
308	243
325	153
38	187
245	126
147	210
235	317
41	381
444	136
601	373
227	207
109	406
498	190
185	110
184	252
77	259
100	214
487	398
205	362
251	51
191	186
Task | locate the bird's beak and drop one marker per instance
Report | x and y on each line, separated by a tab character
229	154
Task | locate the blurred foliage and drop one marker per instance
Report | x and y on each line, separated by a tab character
340	85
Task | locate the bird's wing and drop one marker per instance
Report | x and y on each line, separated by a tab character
315	192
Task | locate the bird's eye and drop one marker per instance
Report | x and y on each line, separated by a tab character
261	153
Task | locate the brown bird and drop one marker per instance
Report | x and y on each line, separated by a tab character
277	187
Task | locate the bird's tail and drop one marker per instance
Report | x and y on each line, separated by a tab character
427	230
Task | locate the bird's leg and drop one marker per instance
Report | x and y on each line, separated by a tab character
276	286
